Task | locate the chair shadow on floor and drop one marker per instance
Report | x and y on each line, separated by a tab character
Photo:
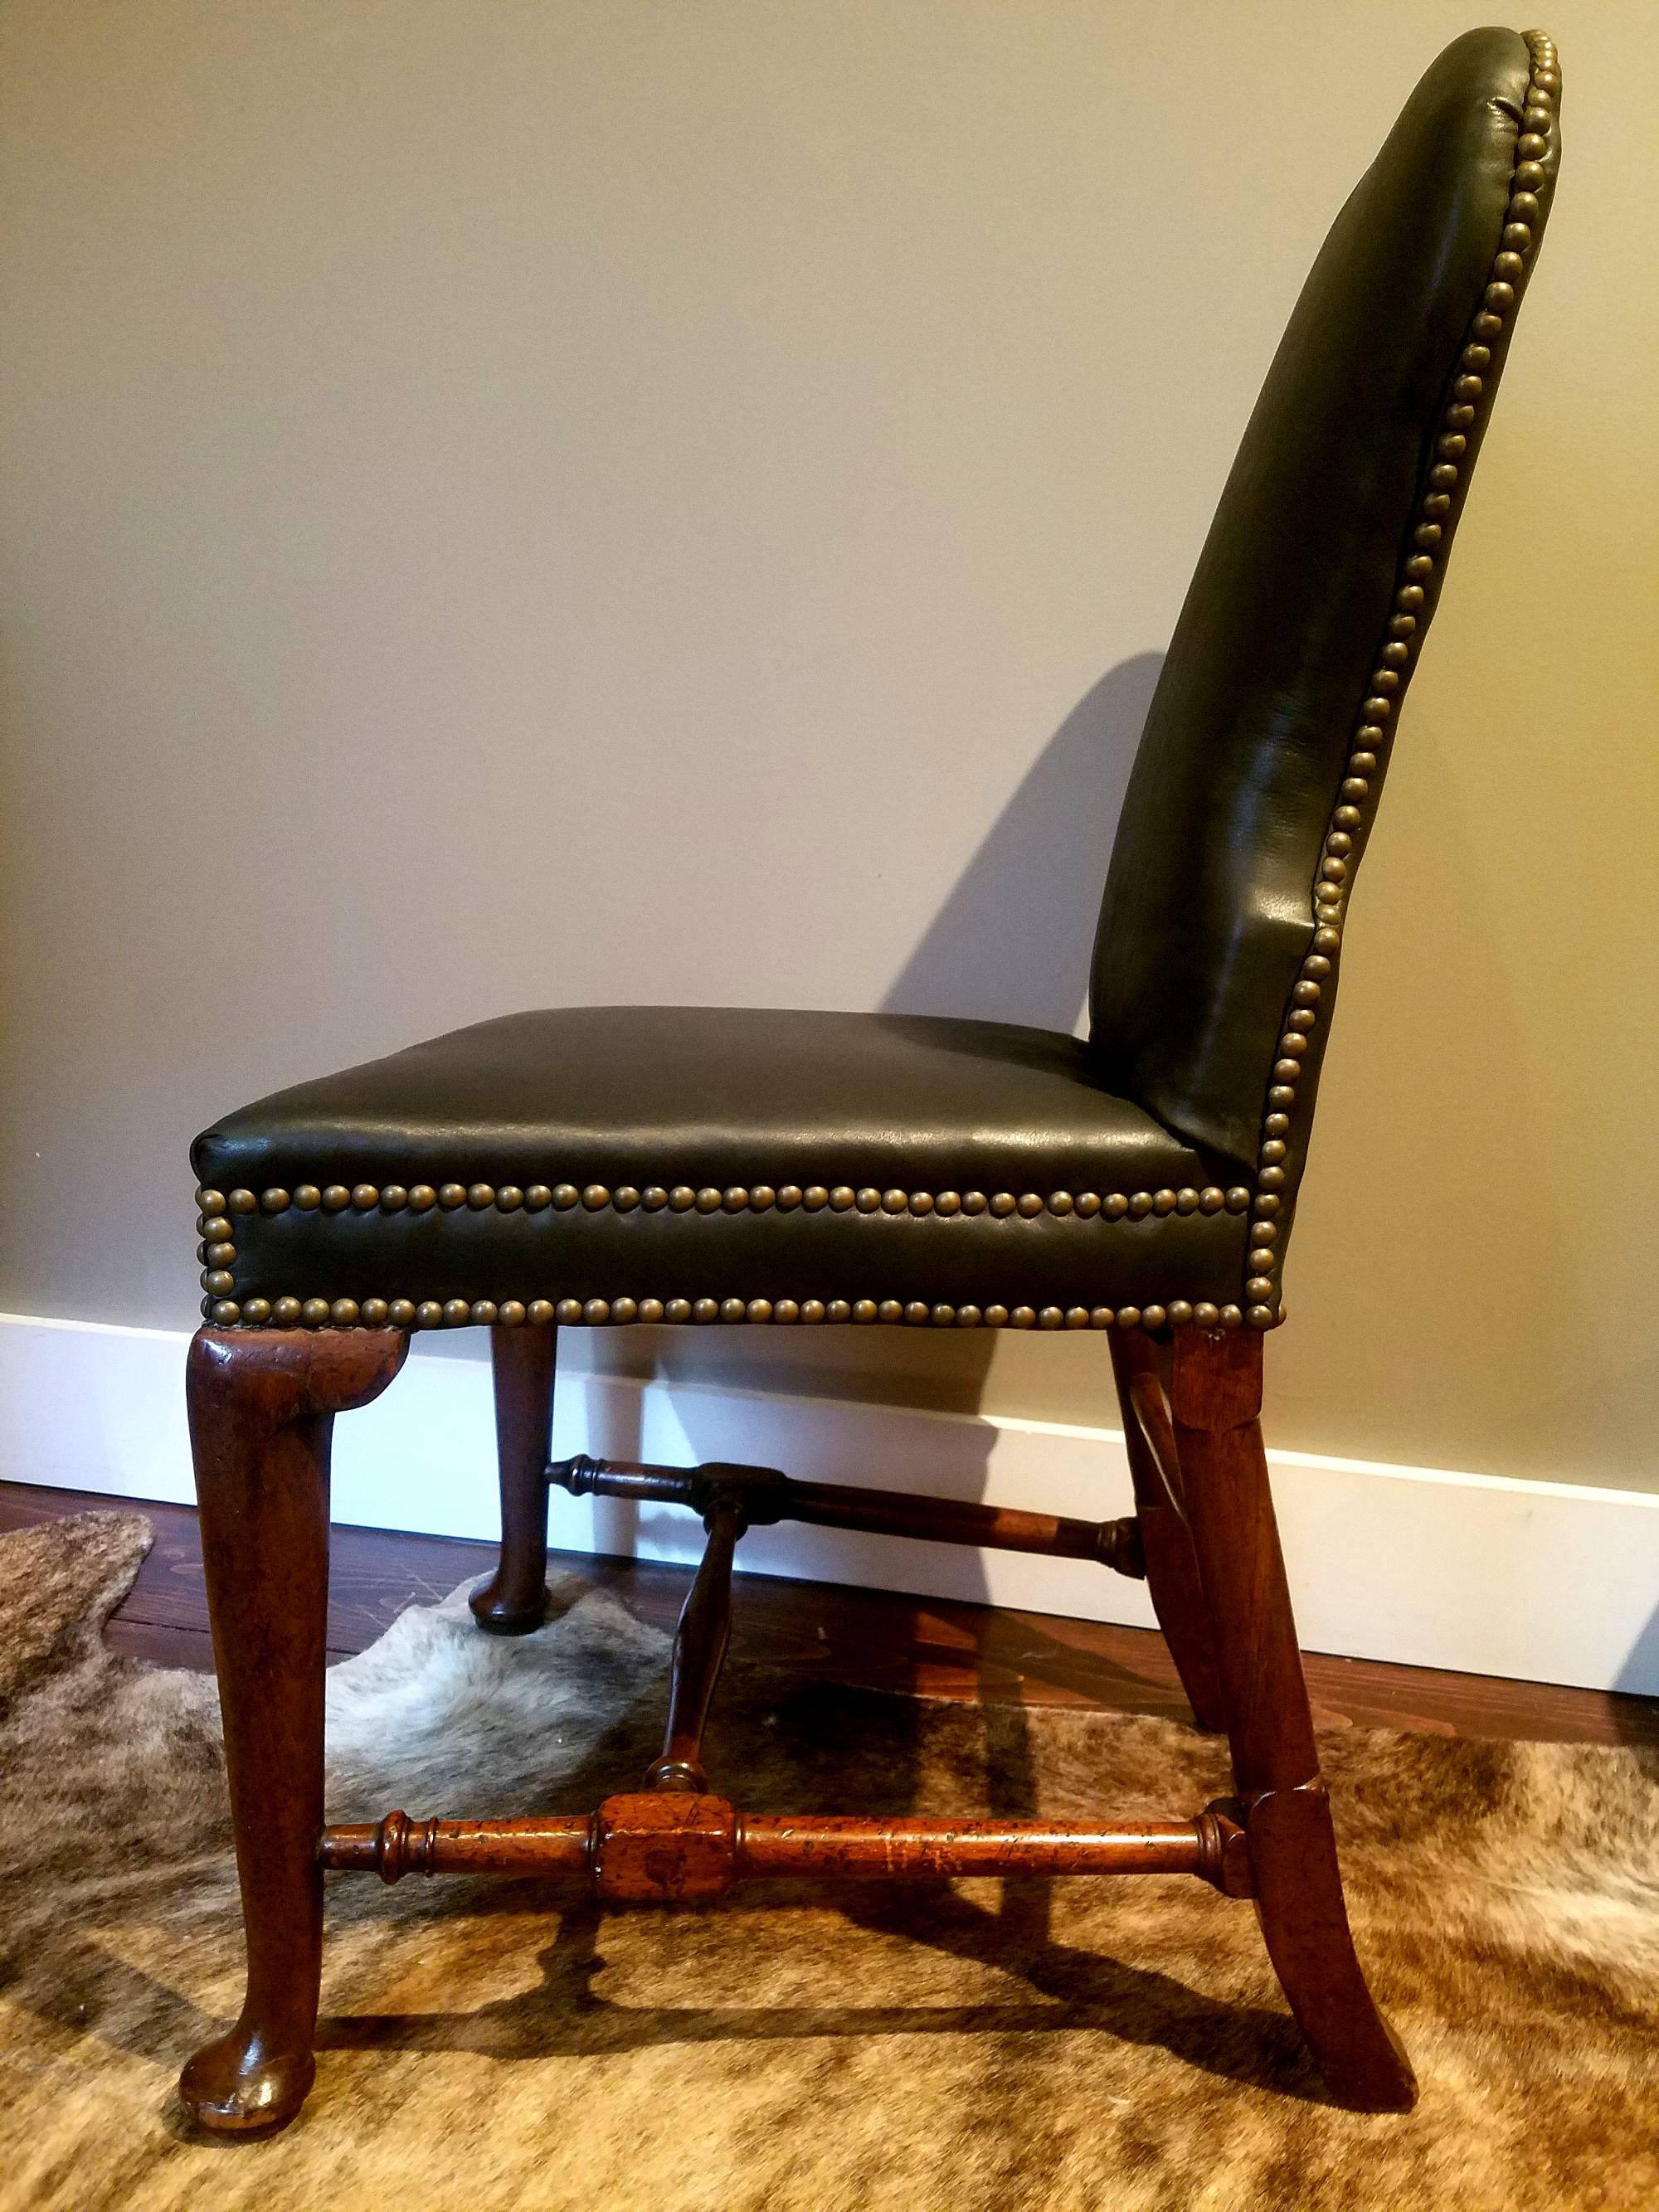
1070	1989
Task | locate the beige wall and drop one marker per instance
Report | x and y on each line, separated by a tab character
509	502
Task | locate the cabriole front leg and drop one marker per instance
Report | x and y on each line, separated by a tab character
261	1403
1216	1399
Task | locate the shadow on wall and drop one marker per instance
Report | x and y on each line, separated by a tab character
1012	942
1639	1672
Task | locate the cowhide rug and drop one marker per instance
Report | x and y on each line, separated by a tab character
1114	2045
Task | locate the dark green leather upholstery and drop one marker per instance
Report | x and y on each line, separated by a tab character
604	1164
734	1105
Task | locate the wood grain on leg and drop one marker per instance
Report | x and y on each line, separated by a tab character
513	1601
1166	1540
262	1403
1216	1399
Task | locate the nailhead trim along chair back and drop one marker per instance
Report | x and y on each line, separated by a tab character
1254	791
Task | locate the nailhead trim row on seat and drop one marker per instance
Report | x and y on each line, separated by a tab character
217	1253
594	1313
1408	625
684	1197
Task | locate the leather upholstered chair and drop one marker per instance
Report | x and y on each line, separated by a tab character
605	1165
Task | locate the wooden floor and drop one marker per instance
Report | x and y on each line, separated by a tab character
927	1646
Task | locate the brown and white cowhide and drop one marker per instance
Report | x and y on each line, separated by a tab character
1116	2045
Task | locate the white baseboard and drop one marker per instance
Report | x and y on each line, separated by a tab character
1541	1581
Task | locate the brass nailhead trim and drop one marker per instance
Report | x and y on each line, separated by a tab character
217	1252
1408	625
596	1197
594	1313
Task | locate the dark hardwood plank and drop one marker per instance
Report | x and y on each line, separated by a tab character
372	1574
873	1639
191	1648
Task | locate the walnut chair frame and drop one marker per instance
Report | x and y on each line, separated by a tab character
1142	1183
